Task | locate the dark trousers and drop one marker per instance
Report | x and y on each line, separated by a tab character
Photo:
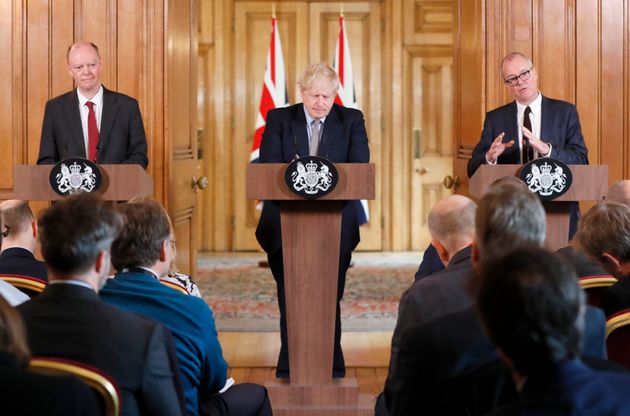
277	268
245	399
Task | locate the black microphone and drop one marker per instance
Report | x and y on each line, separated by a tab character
295	147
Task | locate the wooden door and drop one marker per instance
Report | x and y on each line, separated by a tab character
308	32
429	123
180	126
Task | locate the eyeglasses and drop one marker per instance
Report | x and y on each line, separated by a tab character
523	76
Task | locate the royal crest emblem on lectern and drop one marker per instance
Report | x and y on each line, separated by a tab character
549	178
75	175
311	177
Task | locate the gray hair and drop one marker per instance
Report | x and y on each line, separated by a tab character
314	72
508	216
605	228
510	57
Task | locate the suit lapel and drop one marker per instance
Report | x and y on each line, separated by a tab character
298	128
512	133
71	110
110	108
332	132
545	133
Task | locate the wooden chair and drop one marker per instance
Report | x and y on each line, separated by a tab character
102	383
618	337
32	286
175	286
594	286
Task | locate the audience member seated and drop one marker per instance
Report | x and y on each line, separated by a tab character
25	393
20	239
11	294
68	320
142	253
534	313
584	266
508	216
431	263
176	277
451	224
604	234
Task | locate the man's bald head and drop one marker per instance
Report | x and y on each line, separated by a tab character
452	222
619	192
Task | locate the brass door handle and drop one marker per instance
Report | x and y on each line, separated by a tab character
422	170
199	183
450	182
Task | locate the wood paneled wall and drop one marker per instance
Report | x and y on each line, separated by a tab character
427	71
581	51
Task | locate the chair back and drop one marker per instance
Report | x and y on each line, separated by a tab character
32	286
618	337
99	381
594	286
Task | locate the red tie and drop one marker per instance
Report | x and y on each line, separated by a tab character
92	133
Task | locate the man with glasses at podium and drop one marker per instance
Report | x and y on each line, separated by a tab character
315	127
530	127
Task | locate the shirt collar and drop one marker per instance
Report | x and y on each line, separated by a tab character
143	270
534	106
97	99
71	282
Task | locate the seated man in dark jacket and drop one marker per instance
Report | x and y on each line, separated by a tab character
534	314
68	320
20	240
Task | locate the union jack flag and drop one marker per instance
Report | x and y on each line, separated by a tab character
346	95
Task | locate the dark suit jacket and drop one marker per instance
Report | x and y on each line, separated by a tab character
432	352
344	140
560	127
23	393
617	297
442	293
70	321
20	261
430	263
583	264
573	389
121	136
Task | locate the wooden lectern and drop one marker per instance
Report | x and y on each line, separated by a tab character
120	183
311	231
590	183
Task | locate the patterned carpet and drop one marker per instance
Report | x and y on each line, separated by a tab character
243	295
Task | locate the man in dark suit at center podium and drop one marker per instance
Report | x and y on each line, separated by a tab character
318	127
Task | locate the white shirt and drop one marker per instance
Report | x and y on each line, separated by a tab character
84	111
11	294
534	117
